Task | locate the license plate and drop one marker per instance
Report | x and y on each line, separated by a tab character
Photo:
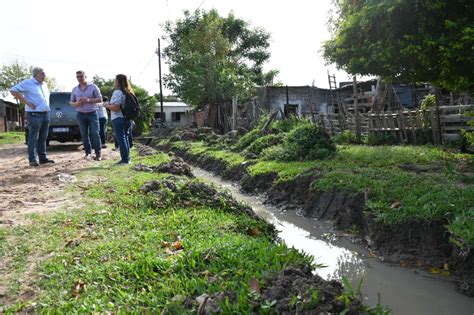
60	129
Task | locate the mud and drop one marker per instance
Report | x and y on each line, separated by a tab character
417	243
300	282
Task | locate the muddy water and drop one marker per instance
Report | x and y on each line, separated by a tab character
404	290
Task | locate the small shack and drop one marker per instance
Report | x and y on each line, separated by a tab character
177	114
11	116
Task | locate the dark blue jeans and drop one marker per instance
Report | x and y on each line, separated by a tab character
103	130
89	122
38	126
122	135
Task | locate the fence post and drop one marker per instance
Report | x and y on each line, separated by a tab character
356	111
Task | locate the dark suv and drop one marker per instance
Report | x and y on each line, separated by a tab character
63	126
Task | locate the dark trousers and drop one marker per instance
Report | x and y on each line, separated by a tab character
38	127
103	130
89	122
122	130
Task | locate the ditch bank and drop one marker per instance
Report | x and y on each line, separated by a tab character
416	243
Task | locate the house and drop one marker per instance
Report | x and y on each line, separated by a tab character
177	114
298	100
11	117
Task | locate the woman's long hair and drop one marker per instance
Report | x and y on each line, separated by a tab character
123	84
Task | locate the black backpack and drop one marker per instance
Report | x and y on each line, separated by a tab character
131	107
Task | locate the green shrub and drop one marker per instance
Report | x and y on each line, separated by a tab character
346	137
265	142
247	139
307	142
428	101
469	135
286	125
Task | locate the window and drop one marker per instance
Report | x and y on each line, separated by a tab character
291	109
176	116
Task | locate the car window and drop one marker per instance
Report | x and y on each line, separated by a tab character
59	99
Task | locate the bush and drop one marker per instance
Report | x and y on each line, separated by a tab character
305	142
286	125
247	139
346	137
265	142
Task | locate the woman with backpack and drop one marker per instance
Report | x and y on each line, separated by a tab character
121	124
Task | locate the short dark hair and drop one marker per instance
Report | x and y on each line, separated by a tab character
80	72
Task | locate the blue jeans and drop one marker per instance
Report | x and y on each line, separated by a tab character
122	135
103	130
89	122
38	127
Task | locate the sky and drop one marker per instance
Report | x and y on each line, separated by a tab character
107	37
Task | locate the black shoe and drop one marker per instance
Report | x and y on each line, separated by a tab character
34	163
46	161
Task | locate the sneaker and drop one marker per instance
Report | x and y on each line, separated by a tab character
98	158
46	161
87	156
122	163
34	163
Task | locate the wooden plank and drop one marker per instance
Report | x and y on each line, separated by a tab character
457	107
458	127
451	136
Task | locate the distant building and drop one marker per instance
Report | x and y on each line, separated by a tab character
10	113
298	100
177	114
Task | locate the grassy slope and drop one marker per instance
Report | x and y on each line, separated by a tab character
110	256
11	137
445	192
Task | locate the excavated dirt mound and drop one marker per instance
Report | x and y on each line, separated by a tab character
300	282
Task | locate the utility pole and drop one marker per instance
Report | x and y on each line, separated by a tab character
162	116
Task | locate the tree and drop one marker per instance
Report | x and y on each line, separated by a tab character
212	58
409	40
147	102
15	72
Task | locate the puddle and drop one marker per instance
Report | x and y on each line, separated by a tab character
404	290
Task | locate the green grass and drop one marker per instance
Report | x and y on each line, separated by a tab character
200	148
110	257
11	137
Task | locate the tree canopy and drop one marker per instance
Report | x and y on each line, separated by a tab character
147	102
212	58
406	40
15	72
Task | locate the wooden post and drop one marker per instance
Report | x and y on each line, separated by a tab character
356	111
413	126
438	118
434	127
403	128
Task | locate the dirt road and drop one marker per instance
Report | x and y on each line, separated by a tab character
27	190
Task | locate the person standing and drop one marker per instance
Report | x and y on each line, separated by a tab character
122	125
85	98
34	94
103	122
